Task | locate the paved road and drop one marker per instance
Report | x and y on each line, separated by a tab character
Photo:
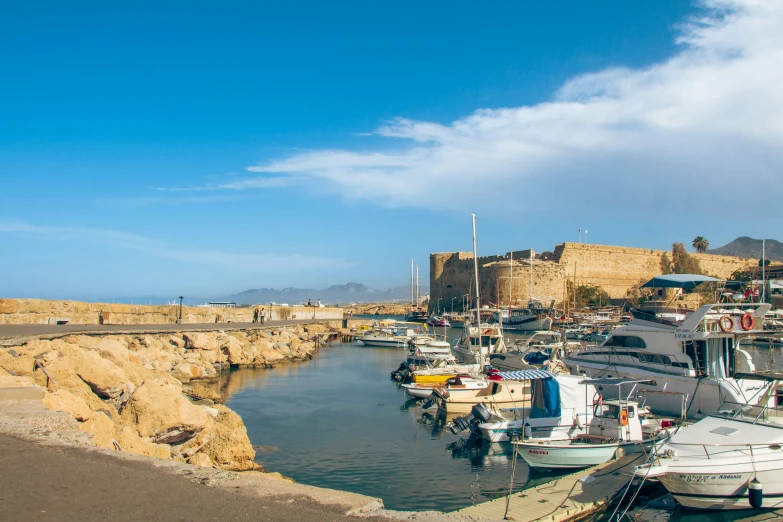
22	330
62	483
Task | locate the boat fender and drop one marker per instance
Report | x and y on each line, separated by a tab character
747	322
528	431
624	418
579	421
726	323
755	494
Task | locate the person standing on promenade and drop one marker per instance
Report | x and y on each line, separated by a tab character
309	302
263	315
255	315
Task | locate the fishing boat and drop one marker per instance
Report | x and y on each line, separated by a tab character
732	459
459	384
560	408
430	361
698	356
615	427
498	394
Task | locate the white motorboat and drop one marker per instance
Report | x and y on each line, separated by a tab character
431	361
387	334
561	407
697	357
478	342
615	427
732	459
535	349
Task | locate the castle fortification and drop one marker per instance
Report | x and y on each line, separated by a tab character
547	275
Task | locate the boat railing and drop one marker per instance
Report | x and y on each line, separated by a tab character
727	448
751	413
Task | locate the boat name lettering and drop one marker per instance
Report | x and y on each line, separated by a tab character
701	479
680	333
538	452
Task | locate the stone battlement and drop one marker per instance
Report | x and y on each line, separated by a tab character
616	269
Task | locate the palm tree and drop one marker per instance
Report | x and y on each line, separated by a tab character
701	244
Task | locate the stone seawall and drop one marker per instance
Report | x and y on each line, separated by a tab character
42	311
615	269
142	393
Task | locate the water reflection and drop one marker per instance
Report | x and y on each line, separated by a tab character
340	422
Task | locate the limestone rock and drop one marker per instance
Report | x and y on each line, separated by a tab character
201	392
105	378
177	341
232	347
160	411
63	400
200	459
200	340
230	449
100	426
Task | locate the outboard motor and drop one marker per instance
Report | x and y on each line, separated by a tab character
478	414
400	373
435	396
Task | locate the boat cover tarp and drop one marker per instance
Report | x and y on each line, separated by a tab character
574	394
526	375
684	281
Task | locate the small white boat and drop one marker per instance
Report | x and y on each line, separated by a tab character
498	394
615	427
478	342
732	459
387	334
533	350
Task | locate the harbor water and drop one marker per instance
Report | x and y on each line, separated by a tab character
338	421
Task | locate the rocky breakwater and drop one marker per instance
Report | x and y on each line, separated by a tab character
136	393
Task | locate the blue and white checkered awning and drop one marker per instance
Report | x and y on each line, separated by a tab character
526	375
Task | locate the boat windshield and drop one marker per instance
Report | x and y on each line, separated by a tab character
754	414
607	411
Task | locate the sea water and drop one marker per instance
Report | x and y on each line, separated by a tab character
339	421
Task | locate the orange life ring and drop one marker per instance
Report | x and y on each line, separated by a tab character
747	322
623	417
726	324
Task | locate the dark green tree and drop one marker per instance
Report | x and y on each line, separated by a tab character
701	244
682	262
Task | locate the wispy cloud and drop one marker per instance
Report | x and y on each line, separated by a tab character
707	120
244	262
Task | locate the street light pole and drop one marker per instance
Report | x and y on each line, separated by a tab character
452	305
179	321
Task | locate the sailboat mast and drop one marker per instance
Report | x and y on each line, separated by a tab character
412	301
476	274
418	297
510	282
530	300
763	272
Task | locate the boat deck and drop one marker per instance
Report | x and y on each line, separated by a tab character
565	498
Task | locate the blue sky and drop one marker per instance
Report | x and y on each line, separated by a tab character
205	148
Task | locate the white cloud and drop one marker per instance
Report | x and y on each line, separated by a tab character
243	262
708	120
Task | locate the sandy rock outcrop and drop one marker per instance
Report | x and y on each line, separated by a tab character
160	411
127	391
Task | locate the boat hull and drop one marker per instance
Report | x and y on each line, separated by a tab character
385	343
573	456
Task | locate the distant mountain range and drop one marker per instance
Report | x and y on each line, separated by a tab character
749	247
337	294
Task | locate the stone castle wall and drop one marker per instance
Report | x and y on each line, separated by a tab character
41	311
615	269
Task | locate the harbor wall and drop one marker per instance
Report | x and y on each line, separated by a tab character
42	311
615	269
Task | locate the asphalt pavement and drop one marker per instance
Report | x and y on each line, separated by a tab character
41	483
24	330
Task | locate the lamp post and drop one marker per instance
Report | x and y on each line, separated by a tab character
452	305
439	300
179	321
